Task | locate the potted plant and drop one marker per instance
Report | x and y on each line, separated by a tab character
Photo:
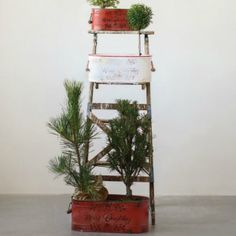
108	17
128	137
93	210
139	16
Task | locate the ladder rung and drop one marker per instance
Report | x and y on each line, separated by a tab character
121	32
101	163
100	155
120	83
106	121
118	178
113	106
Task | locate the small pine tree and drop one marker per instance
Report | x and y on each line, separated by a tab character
104	3
139	16
128	137
75	134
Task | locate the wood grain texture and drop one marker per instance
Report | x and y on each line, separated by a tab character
100	155
113	106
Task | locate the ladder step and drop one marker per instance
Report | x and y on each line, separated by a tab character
113	106
100	155
121	32
118	178
106	121
120	83
102	163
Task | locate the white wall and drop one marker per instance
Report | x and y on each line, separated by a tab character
194	91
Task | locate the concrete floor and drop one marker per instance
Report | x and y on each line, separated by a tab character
176	216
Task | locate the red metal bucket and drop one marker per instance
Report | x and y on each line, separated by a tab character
115	215
110	20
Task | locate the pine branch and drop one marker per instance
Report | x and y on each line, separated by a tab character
75	134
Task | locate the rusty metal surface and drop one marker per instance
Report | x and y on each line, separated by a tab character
110	19
116	215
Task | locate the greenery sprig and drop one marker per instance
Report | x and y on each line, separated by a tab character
139	16
104	3
128	137
75	134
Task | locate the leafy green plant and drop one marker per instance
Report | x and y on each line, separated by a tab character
128	136
139	16
75	134
104	3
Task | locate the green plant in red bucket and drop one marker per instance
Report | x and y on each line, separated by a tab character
107	17
139	16
75	134
104	3
128	138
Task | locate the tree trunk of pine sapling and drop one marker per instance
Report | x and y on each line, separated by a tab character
128	191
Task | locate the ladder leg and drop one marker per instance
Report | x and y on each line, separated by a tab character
146	44
139	44
152	203
89	110
151	184
90	101
95	42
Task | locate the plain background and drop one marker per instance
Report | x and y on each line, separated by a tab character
42	42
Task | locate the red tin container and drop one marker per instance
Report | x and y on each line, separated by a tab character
110	20
115	215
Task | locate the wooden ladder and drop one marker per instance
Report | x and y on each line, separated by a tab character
102	123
